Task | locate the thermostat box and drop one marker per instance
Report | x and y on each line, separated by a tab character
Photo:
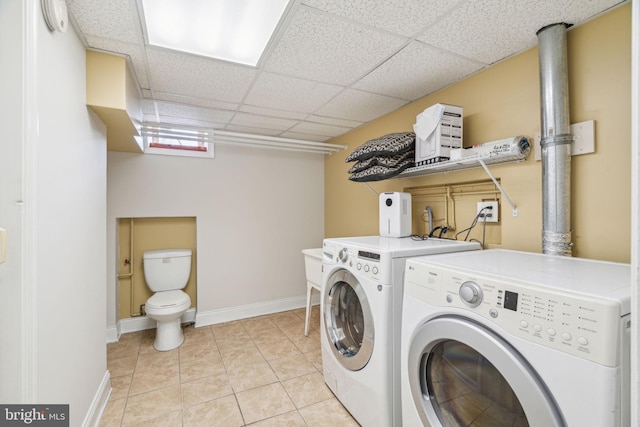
443	124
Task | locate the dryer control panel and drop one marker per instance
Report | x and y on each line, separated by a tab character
570	322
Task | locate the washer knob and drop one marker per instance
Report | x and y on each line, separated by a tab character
471	293
343	255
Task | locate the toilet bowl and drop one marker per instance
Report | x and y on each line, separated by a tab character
166	308
166	273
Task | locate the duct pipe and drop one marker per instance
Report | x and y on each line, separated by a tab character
556	140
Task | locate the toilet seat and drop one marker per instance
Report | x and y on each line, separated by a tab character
168	299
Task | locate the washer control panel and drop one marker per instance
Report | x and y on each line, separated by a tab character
573	323
367	263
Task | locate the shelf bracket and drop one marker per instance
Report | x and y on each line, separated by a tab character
514	209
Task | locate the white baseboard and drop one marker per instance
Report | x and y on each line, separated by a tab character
142	323
94	414
213	317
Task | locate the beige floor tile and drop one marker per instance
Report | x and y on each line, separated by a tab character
154	404
122	366
228	330
315	357
225	345
205	389
173	419
307	389
258	324
158	360
307	344
120	387
264	402
112	415
277	349
205	368
120	349
198	336
146	343
222	412
239	358
197	353
251	376
327	413
268	335
145	381
290	419
292	366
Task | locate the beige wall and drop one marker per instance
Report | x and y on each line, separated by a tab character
504	101
150	234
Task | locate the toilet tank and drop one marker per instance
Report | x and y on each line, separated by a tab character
167	269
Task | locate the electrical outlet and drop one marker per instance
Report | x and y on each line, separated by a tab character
488	215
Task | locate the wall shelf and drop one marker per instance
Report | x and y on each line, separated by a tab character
516	150
462	164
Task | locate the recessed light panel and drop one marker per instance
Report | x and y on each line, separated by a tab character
231	30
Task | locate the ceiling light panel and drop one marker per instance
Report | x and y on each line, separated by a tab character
230	30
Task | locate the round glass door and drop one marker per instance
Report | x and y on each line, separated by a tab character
463	374
348	321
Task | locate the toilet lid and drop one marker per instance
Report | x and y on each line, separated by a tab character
168	299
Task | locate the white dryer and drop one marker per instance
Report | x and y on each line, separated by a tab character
505	338
361	313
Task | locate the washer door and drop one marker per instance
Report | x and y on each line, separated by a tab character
348	321
462	374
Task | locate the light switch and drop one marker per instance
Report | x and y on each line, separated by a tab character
3	245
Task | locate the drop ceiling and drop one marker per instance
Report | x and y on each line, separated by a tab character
333	65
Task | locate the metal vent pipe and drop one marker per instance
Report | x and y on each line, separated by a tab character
556	140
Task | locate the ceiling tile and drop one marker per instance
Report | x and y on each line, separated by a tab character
197	113
113	19
319	129
322	47
290	93
252	130
496	29
195	101
304	136
416	71
361	106
334	122
404	17
191	75
251	120
272	112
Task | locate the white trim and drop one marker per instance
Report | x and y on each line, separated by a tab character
635	212
142	323
99	403
113	333
29	310
213	317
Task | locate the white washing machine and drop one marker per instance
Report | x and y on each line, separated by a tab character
505	338
361	313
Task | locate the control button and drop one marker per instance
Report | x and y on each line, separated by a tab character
366	268
471	293
343	255
566	336
449	298
524	324
551	332
375	270
537	327
359	266
493	313
583	341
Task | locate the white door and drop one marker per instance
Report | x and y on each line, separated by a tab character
463	374
348	320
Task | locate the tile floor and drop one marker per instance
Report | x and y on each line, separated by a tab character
260	372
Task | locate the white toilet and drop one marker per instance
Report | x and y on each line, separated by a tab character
167	272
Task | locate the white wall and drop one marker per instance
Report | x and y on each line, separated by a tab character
57	265
255	210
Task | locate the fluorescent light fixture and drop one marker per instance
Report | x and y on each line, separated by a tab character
231	30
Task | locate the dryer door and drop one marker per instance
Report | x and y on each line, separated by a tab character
348	320
462	374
